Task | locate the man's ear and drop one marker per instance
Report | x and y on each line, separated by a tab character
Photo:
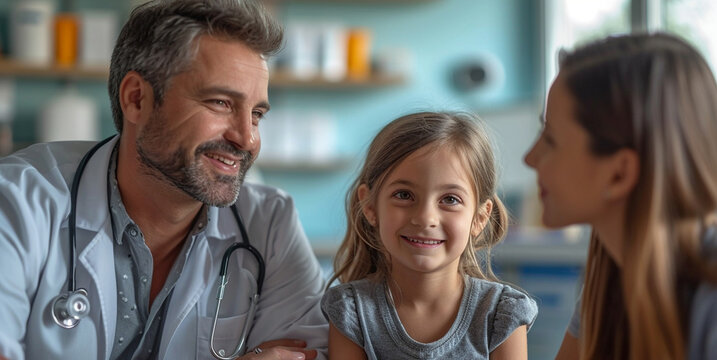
482	217
136	97
369	212
625	172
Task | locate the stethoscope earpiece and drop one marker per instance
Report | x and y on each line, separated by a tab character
69	308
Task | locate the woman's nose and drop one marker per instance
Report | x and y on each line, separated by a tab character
531	156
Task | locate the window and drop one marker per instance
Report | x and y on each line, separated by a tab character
694	20
572	22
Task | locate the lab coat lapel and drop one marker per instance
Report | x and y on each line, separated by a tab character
193	282
95	266
96	274
200	272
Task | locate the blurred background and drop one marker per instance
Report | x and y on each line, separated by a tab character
348	68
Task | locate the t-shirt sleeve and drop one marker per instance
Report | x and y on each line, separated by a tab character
514	309
703	324
339	307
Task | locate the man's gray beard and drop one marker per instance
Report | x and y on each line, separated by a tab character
191	179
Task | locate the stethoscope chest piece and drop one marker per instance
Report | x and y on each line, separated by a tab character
69	308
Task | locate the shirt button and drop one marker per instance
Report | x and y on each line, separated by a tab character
133	232
221	352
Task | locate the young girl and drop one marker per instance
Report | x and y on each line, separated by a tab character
628	147
420	212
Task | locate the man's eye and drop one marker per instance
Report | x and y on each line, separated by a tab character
219	103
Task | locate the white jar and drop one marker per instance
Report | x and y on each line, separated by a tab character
31	31
68	116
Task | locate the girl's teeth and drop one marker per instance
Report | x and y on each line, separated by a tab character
427	242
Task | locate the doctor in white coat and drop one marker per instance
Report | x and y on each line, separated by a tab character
188	86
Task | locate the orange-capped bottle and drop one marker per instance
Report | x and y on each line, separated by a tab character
66	32
359	53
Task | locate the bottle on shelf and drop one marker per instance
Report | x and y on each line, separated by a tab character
7	98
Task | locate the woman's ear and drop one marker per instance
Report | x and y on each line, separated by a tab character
481	218
369	212
625	172
136	98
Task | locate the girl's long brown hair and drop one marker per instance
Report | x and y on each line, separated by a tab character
362	254
656	95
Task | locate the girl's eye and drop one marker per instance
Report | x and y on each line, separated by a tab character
451	200
402	195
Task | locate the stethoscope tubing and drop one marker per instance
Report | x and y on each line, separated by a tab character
245	244
73	210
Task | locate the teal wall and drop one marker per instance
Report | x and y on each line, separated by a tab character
437	33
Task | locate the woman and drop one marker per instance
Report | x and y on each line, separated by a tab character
628	148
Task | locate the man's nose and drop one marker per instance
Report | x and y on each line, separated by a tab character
243	132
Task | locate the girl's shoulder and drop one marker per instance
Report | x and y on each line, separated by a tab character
502	307
344	304
343	296
501	293
353	288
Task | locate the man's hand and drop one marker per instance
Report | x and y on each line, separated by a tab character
282	349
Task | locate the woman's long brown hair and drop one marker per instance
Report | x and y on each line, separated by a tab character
656	95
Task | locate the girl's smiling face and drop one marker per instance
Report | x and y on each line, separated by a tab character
426	211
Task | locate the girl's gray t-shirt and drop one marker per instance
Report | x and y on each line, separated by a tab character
488	315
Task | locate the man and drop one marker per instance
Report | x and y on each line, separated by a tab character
188	85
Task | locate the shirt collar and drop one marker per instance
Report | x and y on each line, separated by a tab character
120	218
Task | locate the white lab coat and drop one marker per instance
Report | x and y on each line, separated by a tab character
34	243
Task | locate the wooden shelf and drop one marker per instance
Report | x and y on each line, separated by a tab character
17	69
278	79
284	80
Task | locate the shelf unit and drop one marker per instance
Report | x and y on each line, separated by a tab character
278	79
17	69
285	80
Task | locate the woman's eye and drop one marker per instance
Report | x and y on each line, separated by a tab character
547	138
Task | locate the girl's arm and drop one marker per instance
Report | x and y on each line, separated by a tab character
514	347
340	347
569	349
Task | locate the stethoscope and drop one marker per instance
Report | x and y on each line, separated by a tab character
69	307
